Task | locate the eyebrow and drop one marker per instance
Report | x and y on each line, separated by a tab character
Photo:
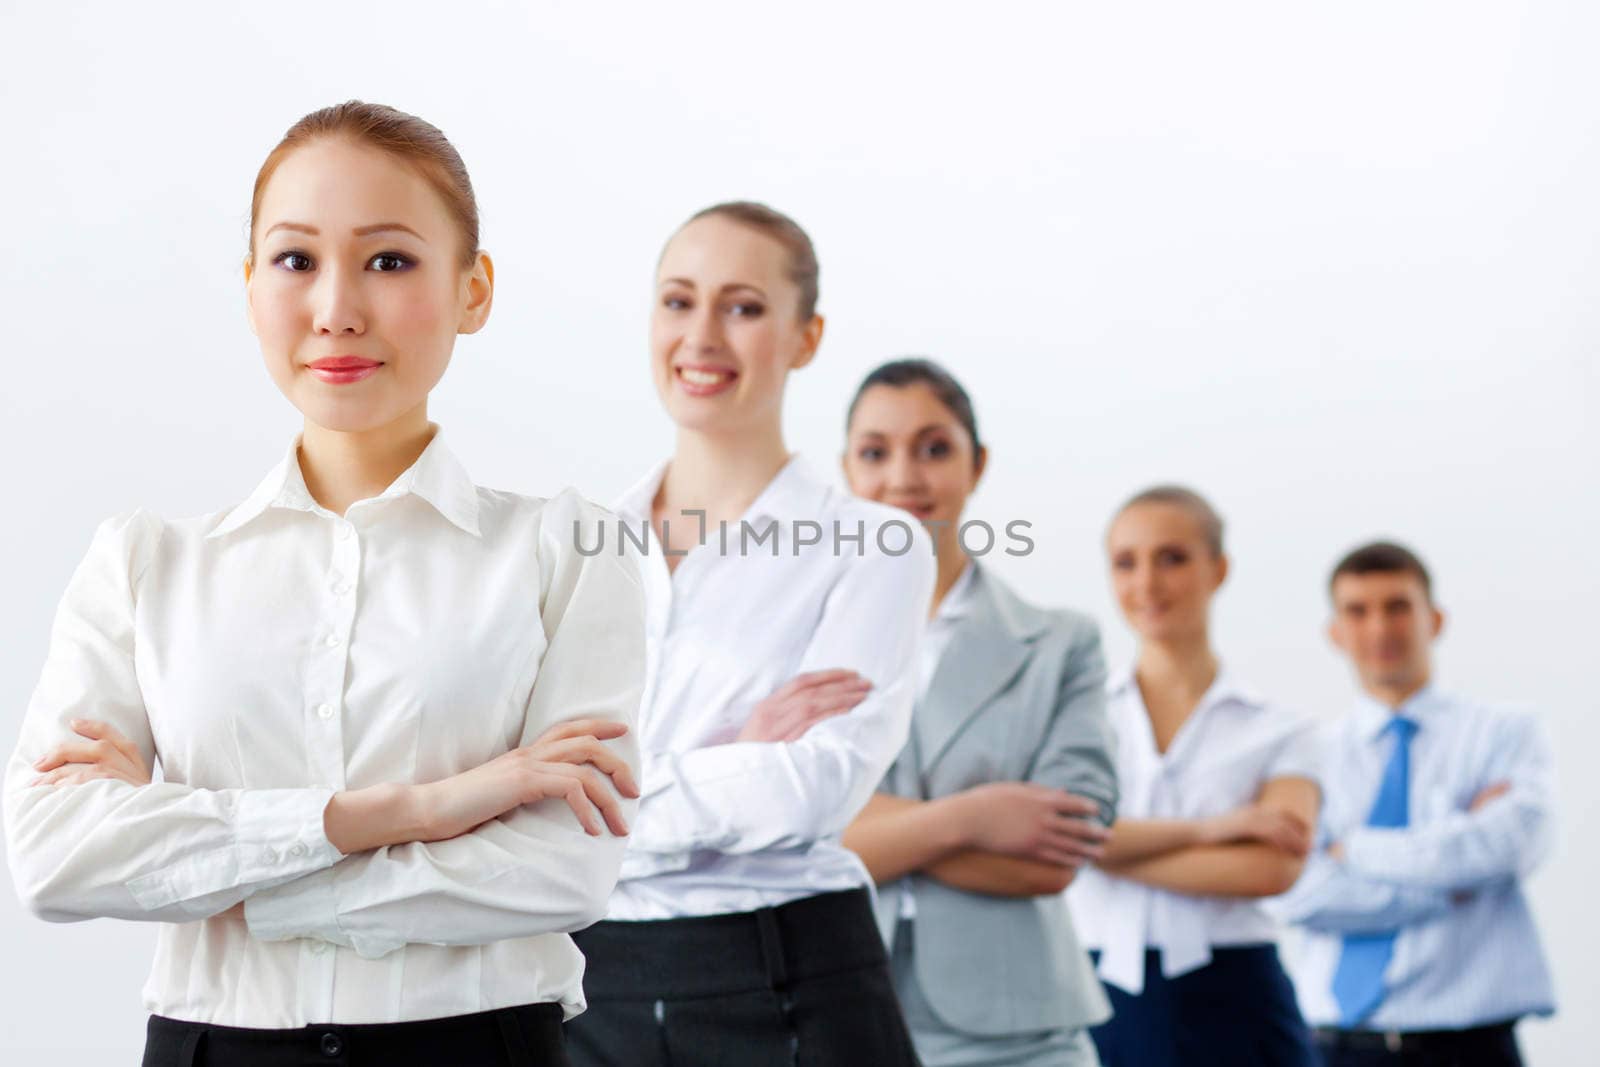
359	231
735	285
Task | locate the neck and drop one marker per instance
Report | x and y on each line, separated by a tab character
952	561
723	474
1183	666
1393	695
343	467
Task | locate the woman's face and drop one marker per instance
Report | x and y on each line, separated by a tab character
356	288
1162	571
725	330
907	449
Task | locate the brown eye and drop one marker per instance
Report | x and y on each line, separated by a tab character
296	262
389	262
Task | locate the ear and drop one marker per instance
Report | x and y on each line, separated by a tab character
1223	566
249	305
1438	624
1335	633
480	295
980	465
810	339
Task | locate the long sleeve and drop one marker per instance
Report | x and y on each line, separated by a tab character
533	870
1078	753
163	851
1506	838
747	796
1331	898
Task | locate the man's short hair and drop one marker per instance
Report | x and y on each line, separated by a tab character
1383	557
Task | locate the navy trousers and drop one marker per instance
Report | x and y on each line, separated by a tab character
1237	1011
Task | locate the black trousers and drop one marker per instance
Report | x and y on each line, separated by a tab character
802	985
1485	1046
528	1036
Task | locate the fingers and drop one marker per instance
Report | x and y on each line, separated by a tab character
599	729
101	731
1081	829
587	792
77	774
817	678
1066	844
803	725
581	750
1072	804
76	752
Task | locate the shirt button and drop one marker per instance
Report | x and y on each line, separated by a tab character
331	1045
269	855
341	588
324	711
346	532
297	849
333	641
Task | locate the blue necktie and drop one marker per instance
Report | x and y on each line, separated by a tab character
1358	980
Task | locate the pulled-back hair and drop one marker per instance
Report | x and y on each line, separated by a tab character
404	136
1198	507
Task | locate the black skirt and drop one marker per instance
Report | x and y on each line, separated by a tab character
804	983
528	1036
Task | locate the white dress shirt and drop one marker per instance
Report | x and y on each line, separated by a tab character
728	826
275	653
936	638
1467	952
1231	745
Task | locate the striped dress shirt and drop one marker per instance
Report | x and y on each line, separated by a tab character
1467	952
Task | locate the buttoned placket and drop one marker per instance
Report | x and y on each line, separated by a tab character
326	675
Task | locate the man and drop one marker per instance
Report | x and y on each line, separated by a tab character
1420	948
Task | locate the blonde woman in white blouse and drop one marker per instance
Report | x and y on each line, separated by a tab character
784	616
390	707
1219	795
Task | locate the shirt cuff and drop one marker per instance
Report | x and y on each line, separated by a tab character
305	907
277	835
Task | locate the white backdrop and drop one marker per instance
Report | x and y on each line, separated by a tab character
1336	265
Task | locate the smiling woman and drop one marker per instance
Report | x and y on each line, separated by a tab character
391	708
742	930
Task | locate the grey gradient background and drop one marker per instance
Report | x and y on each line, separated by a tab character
1333	264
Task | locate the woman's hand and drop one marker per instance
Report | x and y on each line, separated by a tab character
1255	822
803	702
1032	822
567	762
104	754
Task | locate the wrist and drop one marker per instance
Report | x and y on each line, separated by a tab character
958	820
359	820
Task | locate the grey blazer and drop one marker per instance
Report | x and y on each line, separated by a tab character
1018	695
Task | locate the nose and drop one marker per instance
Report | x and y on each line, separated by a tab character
904	472
339	306
704	334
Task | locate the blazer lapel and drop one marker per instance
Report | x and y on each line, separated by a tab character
983	657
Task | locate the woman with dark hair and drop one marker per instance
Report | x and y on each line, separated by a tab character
783	620
1219	796
1006	785
389	705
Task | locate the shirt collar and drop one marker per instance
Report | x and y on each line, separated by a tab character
436	477
1373	716
795	492
1226	688
957	602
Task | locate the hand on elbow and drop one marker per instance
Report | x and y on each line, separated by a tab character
1033	822
801	703
103	753
1264	825
567	763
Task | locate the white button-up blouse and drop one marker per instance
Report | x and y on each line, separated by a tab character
833	582
270	655
1232	744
